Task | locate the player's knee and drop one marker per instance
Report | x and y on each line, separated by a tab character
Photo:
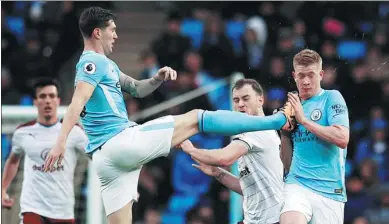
194	116
292	217
195	112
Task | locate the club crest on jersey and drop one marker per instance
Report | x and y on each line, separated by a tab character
44	153
89	68
316	115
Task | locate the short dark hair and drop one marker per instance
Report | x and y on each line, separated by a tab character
253	83
43	82
94	17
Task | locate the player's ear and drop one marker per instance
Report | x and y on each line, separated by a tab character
321	74
261	99
35	101
97	33
294	75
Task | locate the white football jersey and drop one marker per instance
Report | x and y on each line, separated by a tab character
48	194
261	177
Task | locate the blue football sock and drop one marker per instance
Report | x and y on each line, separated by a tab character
226	122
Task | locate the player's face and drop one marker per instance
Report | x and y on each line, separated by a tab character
108	37
246	100
47	101
308	79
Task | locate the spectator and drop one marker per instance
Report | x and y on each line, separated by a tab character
380	214
361	220
277	76
253	47
384	101
330	77
150	68
358	199
216	49
376	148
34	64
219	98
328	51
360	101
269	11
170	47
369	173
300	35
9	42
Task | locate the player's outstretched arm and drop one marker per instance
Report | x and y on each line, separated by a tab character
223	176
10	171
142	88
221	157
337	133
81	96
286	150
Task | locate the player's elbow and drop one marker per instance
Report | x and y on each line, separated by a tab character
342	136
139	95
342	143
225	161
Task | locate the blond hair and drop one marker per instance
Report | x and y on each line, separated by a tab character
307	57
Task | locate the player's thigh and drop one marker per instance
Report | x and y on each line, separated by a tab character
121	216
185	126
153	139
119	186
296	208
140	144
326	211
292	217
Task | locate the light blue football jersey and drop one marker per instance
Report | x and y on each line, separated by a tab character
105	113
317	164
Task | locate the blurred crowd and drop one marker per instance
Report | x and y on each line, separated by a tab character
206	42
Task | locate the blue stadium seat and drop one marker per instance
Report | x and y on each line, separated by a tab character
178	206
193	29
234	31
26	100
16	26
5	148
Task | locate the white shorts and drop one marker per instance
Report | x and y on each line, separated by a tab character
119	161
317	209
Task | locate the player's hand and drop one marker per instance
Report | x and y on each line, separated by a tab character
56	154
298	108
6	201
166	73
187	146
207	169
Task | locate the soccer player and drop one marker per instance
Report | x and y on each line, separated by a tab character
45	197
120	147
258	153
315	189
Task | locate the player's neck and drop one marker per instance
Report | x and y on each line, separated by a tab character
93	46
47	122
260	112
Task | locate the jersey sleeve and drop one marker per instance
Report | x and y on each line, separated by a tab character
337	110
16	143
244	139
92	69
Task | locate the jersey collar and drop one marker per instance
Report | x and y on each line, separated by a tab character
315	96
48	126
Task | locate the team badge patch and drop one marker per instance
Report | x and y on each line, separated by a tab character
316	115
44	154
89	68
